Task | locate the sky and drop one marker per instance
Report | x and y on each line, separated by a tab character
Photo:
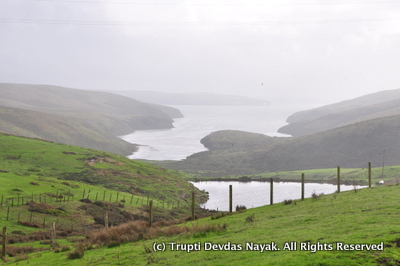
283	51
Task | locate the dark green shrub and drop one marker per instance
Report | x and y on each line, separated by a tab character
77	253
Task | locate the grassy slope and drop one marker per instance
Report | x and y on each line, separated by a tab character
365	216
370	106
60	129
351	146
24	157
110	114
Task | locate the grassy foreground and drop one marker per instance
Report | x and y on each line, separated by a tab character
316	225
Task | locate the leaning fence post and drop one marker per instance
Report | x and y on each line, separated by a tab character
369	174
338	179
271	194
302	186
230	198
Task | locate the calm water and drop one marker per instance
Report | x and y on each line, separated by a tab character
255	194
199	121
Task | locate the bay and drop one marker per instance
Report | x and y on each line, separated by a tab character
254	194
184	138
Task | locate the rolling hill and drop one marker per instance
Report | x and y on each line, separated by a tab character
78	114
60	129
351	146
21	157
380	104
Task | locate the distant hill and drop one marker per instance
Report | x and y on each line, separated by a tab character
60	129
77	114
351	146
191	98
375	105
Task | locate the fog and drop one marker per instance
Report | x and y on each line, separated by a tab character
281	51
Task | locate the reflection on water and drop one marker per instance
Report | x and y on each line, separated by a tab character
255	194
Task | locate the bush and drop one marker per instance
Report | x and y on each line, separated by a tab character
250	218
18	232
240	208
77	253
287	202
314	195
29	224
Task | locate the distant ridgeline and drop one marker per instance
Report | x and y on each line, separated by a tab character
88	119
367	107
192	98
347	134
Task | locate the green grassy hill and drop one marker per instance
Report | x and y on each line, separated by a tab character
83	112
335	229
351	146
36	158
370	106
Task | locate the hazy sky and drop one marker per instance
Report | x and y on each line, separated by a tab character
300	50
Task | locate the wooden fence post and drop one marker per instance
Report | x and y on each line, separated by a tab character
53	235
230	198
106	219
104	195
302	186
369	174
271	194
131	198
3	250
338	179
193	206
8	213
151	213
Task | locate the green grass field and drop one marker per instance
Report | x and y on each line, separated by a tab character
319	227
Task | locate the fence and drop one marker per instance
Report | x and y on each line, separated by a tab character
338	182
58	196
